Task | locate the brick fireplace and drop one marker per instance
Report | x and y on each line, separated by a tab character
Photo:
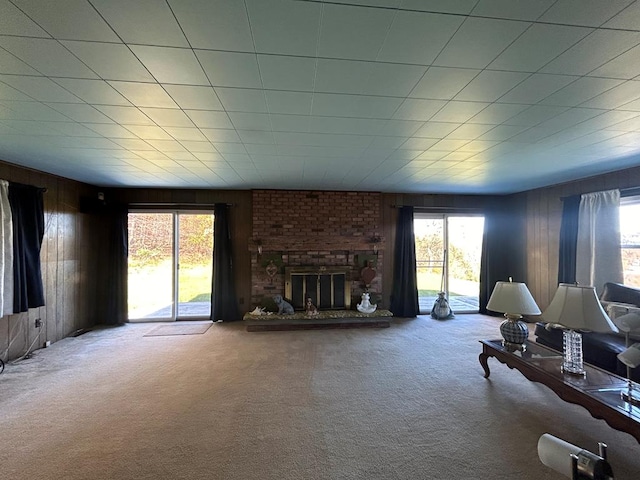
317	231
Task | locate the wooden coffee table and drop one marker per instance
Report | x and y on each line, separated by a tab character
598	391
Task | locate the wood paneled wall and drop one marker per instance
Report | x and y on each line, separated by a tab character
543	219
69	267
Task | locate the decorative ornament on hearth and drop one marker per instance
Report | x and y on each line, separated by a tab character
365	306
367	275
271	270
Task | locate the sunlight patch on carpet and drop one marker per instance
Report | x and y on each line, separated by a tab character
167	330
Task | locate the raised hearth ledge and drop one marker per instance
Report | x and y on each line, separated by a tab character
322	315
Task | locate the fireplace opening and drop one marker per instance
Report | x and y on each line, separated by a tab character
328	287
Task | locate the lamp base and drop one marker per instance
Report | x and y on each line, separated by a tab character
513	330
572	353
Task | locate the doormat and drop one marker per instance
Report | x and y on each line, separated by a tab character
270	327
167	330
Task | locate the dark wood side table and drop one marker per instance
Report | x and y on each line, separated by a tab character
598	391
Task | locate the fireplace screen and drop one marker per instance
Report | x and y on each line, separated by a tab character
328	287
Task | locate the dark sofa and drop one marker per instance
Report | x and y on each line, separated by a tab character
599	349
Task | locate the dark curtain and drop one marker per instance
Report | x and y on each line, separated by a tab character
404	294
117	270
503	246
27	210
568	240
223	295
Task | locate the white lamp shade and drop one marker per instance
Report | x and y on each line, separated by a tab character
512	297
629	322
631	356
577	307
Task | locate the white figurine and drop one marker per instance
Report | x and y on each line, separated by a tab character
365	305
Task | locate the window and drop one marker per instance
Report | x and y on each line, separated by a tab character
170	265
630	239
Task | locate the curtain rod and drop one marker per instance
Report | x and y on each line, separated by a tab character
179	205
624	192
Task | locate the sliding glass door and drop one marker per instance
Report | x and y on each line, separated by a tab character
448	249
170	265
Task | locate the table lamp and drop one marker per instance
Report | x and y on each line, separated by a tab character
629	323
514	300
576	307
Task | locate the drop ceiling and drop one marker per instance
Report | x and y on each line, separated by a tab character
430	96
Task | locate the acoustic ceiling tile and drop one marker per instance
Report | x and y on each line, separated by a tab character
445	6
96	92
111	61
191	97
436	129
168	117
617	97
166	146
290	123
18	110
443	83
148	132
230	69
38	88
71	19
629	18
242	100
144	94
289	102
355	126
147	22
219	135
502	132
287	73
73	129
185	134
583	89
417	37
10	64
626	65
496	113
256	137
418	144
592	51
458	112
125	115
47	56
209	119
14	21
591	13
248	121
285	27
534	115
353	33
215	24
361	106
490	85
512	9
384	79
551	41
171	65
401	128
478	41
469	131
81	112
418	109
536	88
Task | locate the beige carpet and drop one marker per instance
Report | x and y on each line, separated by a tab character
405	402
